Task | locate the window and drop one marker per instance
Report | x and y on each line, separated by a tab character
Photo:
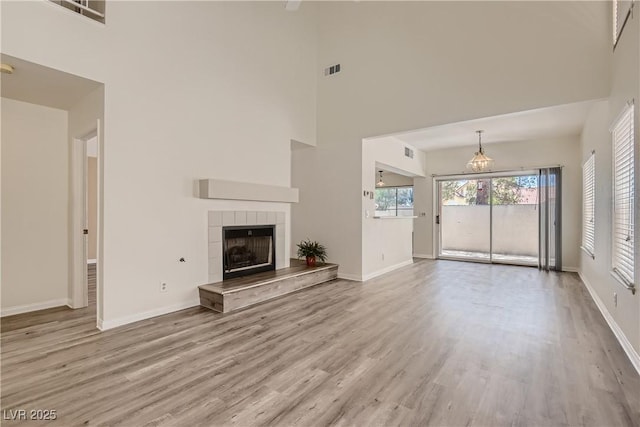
588	205
394	201
93	9
623	197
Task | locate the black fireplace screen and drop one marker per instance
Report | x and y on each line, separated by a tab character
248	250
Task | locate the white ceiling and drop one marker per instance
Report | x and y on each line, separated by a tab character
40	85
529	125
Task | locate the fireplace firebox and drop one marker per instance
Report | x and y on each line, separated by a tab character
248	250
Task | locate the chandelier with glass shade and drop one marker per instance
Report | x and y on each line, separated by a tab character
480	162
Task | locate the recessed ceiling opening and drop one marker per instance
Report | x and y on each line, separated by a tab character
541	123
37	84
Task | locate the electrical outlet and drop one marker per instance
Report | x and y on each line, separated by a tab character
615	299
383	257
163	287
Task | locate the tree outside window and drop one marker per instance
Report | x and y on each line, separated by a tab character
394	201
506	190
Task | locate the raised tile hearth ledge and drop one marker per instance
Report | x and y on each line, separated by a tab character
246	291
233	190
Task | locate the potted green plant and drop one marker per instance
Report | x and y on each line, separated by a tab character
312	250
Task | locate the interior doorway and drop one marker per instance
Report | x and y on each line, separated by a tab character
510	218
85	172
48	115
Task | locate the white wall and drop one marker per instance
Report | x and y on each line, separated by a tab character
508	156
391	179
596	272
386	243
35	194
387	247
198	90
410	65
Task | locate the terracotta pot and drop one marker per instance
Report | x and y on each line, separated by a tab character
311	261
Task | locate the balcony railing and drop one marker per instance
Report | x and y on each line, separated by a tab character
93	9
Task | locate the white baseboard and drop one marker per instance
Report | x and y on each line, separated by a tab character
622	339
91	261
387	270
74	307
352	277
425	256
103	325
19	309
570	269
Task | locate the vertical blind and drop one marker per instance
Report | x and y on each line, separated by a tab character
623	196
588	205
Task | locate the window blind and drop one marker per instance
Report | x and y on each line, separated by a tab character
623	197
622	10
588	205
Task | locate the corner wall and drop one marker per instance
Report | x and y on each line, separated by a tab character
198	90
386	242
35	194
624	318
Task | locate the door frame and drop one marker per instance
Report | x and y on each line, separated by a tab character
79	295
437	209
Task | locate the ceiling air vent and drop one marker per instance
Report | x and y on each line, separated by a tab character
408	152
332	70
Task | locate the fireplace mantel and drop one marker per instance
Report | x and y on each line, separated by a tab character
233	190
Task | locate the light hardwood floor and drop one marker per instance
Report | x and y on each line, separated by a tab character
436	343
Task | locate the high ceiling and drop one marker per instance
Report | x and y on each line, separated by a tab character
529	125
40	85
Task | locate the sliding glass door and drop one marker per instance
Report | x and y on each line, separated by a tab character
514	229
504	218
464	219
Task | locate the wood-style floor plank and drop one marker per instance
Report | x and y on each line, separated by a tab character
437	343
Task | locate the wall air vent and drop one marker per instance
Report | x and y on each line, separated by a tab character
408	152
332	70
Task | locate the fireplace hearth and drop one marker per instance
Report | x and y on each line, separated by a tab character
248	250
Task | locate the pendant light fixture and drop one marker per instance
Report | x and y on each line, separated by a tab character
480	162
380	183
